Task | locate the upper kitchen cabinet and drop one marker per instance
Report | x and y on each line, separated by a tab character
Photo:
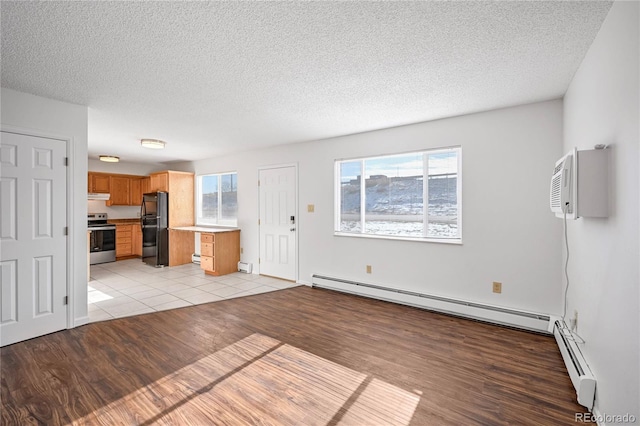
159	182
125	190
120	191
138	187
179	185
99	183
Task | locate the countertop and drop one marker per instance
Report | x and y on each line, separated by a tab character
131	221
209	229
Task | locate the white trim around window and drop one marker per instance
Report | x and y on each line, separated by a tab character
388	203
217	199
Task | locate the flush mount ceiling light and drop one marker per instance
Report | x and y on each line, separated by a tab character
152	143
109	158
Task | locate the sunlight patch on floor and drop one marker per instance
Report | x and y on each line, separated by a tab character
261	380
94	296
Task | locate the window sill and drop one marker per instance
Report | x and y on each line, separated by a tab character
454	241
210	225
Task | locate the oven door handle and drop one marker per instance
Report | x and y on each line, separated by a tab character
101	228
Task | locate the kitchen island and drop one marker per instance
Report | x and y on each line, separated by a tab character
219	247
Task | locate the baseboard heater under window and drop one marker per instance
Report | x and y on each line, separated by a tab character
487	313
583	380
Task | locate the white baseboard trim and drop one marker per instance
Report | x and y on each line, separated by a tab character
81	321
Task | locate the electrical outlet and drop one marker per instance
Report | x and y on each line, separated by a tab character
497	287
368	269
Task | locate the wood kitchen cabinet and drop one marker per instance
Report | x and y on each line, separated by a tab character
139	186
125	190
120	191
124	240
179	185
136	240
181	247
220	252
159	182
98	183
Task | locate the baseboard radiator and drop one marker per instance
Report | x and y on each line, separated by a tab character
482	312
583	380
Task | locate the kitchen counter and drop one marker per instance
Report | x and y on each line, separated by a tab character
226	250
131	221
204	229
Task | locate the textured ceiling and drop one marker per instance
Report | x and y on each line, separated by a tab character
217	77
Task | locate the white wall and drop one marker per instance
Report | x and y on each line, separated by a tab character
509	234
126	167
601	106
123	167
54	118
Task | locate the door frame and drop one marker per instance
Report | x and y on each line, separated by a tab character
71	278
296	210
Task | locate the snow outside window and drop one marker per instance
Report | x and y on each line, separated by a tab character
217	199
385	196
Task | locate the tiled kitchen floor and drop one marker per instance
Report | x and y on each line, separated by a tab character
131	287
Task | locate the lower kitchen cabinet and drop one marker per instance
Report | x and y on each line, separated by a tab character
220	252
124	240
136	239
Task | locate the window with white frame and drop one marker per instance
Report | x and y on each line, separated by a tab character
386	196
217	199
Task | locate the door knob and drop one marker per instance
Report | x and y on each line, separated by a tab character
292	229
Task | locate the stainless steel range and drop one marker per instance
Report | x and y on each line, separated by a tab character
102	246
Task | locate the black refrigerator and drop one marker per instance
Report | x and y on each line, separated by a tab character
154	219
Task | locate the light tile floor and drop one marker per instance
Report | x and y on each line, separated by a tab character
131	287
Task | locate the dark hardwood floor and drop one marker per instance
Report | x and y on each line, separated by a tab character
299	356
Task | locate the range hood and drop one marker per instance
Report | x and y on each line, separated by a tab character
98	196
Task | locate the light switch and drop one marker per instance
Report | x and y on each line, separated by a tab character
311	208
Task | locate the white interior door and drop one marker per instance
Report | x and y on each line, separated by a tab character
33	244
278	222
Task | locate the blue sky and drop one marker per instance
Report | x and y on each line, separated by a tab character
210	182
401	165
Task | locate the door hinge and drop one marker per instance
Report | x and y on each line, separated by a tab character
66	161
258	221
65	300
258	261
65	231
258	182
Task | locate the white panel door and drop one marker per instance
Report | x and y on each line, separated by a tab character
278	222
33	245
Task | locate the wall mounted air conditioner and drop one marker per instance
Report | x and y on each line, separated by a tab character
580	184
